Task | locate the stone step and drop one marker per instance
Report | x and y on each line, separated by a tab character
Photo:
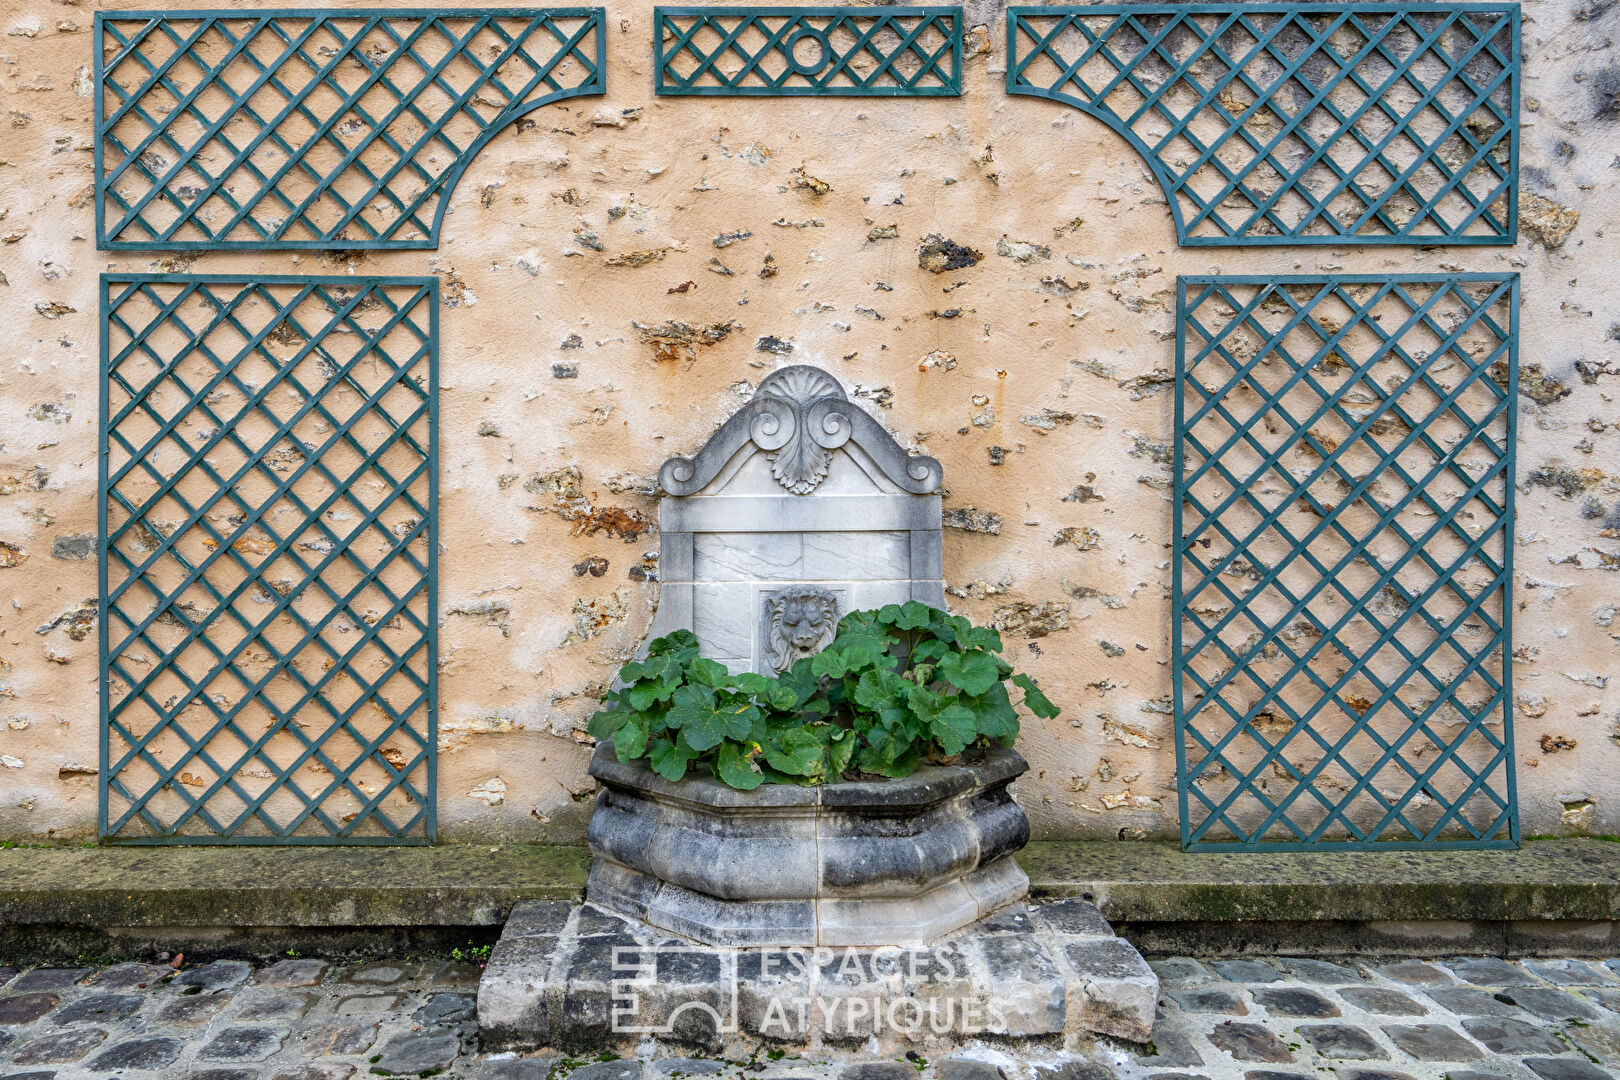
579	978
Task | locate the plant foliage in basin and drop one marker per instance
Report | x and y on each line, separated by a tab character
897	686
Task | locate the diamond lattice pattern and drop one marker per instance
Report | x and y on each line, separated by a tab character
810	51
324	130
1299	124
268	627
1345	491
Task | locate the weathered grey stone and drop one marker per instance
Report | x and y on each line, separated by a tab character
1489	971
1170	1048
902	862
1507	1036
1567	972
103	1008
1075	917
47	979
271	1005
1076	1070
448	1009
1320	971
220	975
412	1055
366	1004
1383	1001
1415	972
1249	1042
343	1037
223	1074
26	1008
608	1070
1291	1001
1208	1000
1247	971
288	974
684	1066
966	1068
1030	991
128	976
531	917
1118	993
193	1010
148	1052
1566	1068
1432	1042
374	975
60	1048
1548	1003
73	546
243	1043
1342	1041
879	1070
504	1068
1468	1001
1181	971
1385	1074
314	1070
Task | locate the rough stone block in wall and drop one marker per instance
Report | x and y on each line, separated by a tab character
960	263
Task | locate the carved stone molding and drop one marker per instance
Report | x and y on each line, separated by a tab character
799	416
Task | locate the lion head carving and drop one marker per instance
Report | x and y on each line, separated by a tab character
799	621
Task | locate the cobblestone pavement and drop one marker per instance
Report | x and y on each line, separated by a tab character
305	1019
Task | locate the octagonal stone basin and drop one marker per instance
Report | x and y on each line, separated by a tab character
864	863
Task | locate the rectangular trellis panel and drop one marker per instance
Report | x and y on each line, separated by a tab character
809	51
1344	561
315	128
1298	123
269	451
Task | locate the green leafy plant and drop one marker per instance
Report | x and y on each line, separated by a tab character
897	686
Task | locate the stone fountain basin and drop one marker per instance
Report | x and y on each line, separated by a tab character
852	863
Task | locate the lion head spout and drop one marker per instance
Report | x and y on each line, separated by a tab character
800	621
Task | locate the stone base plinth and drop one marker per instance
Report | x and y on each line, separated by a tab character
850	863
579	978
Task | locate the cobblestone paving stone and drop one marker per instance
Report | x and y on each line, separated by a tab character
1284	1018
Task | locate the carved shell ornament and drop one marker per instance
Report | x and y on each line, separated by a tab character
799	416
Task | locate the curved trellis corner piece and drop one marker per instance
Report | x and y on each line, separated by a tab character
808	51
315	128
1298	123
799	416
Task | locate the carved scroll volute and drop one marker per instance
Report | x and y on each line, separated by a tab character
768	422
799	416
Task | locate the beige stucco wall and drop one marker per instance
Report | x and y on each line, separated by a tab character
644	173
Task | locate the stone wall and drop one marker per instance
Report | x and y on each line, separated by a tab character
619	273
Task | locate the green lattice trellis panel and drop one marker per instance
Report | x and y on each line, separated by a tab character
1298	123
1343	561
317	128
268	557
809	51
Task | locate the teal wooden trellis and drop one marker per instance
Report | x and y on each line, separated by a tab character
1342	593
1316	123
315	128
808	51
268	489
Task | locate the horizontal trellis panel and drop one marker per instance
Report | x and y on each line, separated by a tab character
1342	584
268	558
1298	123
316	128
809	51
